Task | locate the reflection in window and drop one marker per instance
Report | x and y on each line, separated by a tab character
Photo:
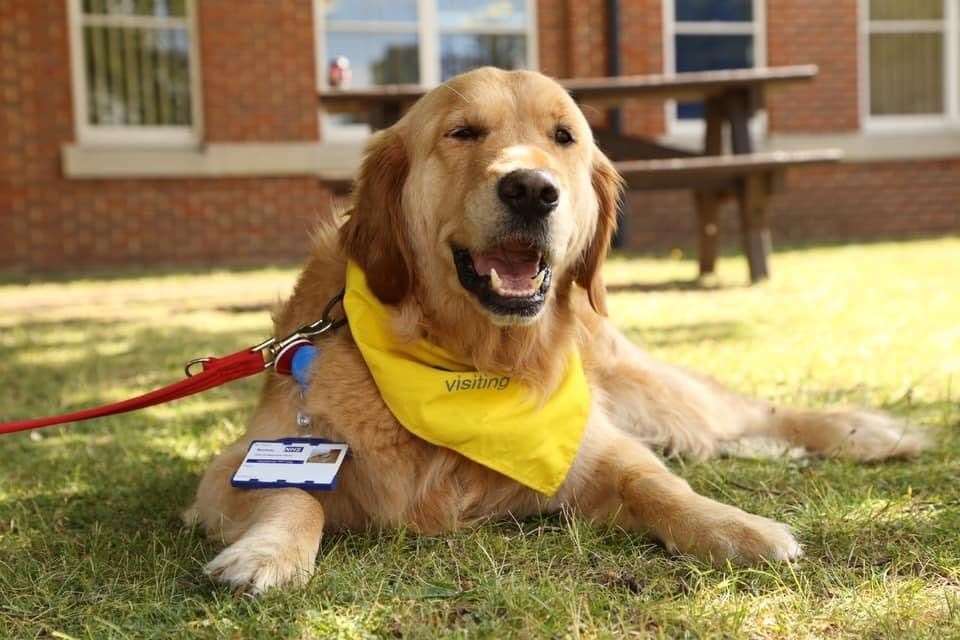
384	41
462	52
480	14
372	10
378	58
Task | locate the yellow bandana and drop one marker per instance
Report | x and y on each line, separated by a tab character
489	418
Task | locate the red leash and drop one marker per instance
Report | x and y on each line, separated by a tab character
216	372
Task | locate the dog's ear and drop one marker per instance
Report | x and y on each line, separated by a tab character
374	236
608	187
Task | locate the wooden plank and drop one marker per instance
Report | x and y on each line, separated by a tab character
727	165
594	91
693	172
703	172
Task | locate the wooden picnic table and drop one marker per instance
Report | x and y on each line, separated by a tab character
730	99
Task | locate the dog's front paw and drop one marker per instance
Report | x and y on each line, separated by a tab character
720	533
264	559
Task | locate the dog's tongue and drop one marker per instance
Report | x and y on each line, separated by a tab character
515	269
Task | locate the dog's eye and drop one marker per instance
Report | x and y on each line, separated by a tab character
465	133
563	137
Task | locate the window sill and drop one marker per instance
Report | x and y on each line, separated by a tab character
219	160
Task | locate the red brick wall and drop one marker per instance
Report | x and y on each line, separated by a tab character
259	76
850	201
573	43
641	49
50	223
552	38
821	33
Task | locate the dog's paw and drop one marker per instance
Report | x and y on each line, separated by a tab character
870	436
721	533
262	560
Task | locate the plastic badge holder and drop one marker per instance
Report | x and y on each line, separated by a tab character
305	463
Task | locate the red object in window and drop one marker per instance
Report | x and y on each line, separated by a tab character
339	72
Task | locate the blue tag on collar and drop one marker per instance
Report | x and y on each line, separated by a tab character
300	365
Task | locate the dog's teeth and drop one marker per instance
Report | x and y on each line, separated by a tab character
538	280
495	280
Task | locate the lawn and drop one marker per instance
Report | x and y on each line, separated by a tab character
91	544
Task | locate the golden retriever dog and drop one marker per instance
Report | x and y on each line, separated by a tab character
481	220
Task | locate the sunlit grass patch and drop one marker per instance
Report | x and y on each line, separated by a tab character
91	544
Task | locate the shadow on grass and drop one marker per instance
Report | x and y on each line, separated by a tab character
678	334
672	285
51	376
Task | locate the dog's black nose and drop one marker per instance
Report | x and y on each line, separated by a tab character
529	193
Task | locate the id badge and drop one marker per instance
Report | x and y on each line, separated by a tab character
305	463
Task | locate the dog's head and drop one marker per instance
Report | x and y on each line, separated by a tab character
489	193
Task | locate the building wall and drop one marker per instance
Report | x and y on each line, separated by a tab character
821	33
849	201
258	74
259	77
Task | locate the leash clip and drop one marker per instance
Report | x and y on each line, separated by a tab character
275	346
271	348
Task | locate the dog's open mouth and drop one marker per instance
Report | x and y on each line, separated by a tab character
510	279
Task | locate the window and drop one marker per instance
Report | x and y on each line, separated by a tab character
911	60
134	71
707	35
420	41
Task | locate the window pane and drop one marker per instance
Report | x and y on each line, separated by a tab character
475	14
377	58
709	53
906	73
714	10
906	9
137	76
383	10
158	8
462	52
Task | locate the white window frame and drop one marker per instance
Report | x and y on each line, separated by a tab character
949	26
671	28
428	32
132	135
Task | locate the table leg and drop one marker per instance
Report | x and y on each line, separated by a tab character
715	111
738	111
708	205
753	198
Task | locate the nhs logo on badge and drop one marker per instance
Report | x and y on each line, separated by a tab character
292	449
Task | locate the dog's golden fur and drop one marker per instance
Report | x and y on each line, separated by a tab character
420	190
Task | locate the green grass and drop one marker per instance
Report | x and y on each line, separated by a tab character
91	545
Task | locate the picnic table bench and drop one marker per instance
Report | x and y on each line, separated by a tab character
726	168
